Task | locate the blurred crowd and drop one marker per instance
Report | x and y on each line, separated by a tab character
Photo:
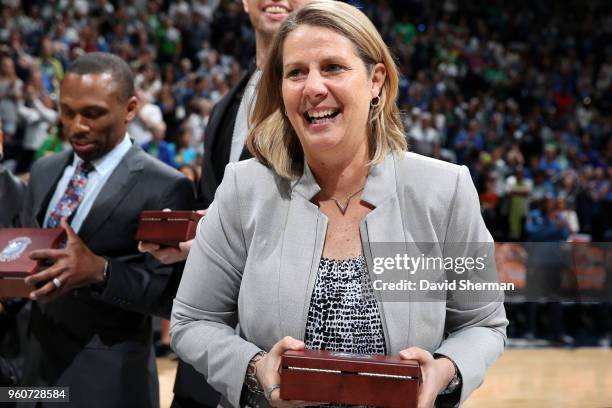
520	93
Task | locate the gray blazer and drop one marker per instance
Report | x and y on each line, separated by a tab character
256	256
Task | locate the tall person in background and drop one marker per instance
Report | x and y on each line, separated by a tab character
227	128
90	327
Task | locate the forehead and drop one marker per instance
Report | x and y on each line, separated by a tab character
307	42
88	89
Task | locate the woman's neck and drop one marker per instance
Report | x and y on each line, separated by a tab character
340	176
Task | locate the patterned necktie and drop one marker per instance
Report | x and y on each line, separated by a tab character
67	205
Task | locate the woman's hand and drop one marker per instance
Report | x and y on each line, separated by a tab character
268	373
436	374
166	255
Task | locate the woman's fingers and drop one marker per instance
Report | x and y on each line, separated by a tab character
286	343
416	353
269	376
428	389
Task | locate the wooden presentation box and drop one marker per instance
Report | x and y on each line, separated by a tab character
347	378
15	263
167	228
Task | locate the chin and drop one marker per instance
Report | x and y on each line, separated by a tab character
321	146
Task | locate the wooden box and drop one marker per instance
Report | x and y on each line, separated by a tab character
15	263
167	228
347	378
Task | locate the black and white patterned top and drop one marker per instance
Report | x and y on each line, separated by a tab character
343	314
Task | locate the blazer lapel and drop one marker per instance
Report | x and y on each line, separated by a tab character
115	189
303	240
384	235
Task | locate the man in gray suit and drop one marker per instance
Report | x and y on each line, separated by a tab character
90	328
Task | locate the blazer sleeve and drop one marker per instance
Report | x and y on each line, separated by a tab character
475	328
138	281
205	313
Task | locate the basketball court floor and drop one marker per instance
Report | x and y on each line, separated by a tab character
530	378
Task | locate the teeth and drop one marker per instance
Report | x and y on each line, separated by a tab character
320	114
275	9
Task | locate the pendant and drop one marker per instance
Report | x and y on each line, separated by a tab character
341	207
344	207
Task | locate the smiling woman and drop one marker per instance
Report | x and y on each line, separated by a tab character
286	248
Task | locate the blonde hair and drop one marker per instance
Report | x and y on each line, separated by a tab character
271	137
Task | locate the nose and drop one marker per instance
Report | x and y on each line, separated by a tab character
314	88
79	125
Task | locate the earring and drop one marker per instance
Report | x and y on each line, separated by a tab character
375	101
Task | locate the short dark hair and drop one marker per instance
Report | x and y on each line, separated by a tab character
102	62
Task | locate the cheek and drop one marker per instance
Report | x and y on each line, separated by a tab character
291	100
104	129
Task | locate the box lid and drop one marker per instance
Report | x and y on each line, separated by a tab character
17	243
170	216
351	362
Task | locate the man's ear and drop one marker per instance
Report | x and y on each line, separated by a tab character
245	6
379	74
132	108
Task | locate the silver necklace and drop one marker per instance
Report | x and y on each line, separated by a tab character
344	207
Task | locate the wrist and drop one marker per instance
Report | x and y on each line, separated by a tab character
251	379
102	276
102	270
451	379
448	369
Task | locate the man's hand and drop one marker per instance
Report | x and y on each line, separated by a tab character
73	266
168	255
436	373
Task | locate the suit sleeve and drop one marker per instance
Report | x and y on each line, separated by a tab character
205	314
138	281
12	195
476	322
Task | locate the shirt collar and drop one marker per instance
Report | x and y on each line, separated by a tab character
110	160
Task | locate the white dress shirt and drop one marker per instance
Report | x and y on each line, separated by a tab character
103	168
241	126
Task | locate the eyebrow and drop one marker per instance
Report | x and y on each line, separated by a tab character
63	105
327	60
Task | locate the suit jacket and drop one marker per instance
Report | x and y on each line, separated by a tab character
12	192
218	140
257	252
99	343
